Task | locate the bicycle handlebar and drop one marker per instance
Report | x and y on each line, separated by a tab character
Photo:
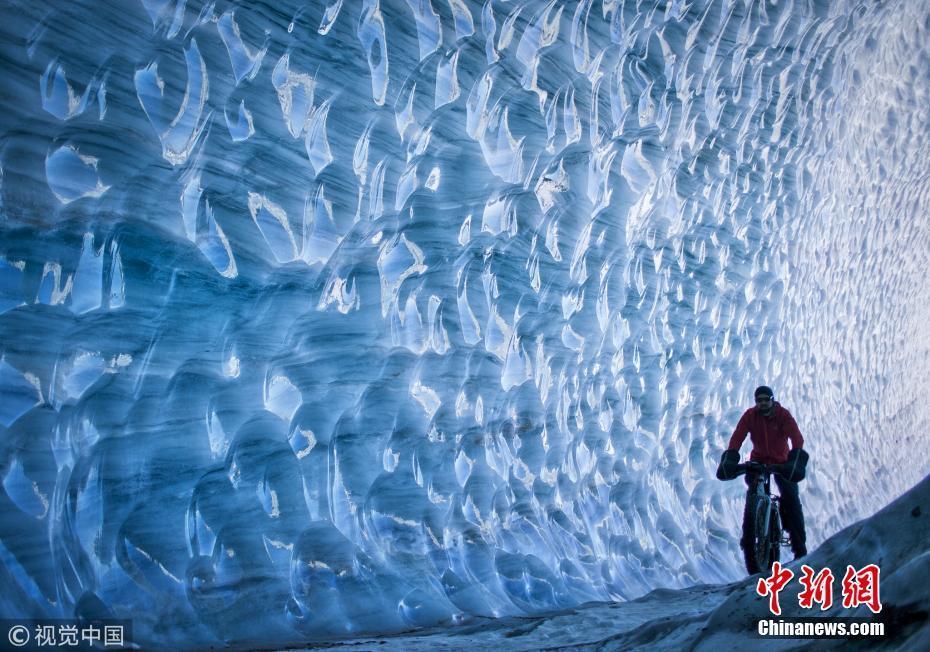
759	467
791	470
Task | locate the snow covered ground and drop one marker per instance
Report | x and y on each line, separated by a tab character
713	618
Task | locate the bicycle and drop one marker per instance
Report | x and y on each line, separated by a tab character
764	519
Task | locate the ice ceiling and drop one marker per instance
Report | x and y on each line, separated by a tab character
327	318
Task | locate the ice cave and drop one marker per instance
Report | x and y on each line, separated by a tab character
331	319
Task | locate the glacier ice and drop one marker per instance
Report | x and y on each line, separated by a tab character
714	617
326	318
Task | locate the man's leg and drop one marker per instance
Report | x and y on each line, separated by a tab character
747	539
792	515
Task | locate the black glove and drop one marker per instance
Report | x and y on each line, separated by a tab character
796	466
726	470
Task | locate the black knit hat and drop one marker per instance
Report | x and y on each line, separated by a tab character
763	390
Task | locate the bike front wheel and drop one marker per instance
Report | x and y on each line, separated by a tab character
774	536
758	551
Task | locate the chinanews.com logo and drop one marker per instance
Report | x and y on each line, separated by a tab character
859	587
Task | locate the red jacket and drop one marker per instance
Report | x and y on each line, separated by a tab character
769	435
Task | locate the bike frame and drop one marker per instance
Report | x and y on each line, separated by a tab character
763	487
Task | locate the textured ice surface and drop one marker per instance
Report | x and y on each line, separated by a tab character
709	618
335	317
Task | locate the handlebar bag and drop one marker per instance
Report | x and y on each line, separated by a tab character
796	466
726	470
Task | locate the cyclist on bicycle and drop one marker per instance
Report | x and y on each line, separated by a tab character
770	426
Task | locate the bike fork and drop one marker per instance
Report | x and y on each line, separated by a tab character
768	509
783	539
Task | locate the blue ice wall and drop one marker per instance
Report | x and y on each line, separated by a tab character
319	318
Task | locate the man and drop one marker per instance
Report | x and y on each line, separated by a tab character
770	427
